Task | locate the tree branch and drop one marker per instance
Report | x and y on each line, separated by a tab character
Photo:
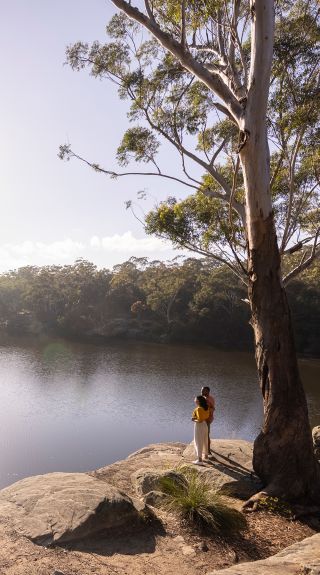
181	149
262	34
70	154
212	255
291	188
212	81
183	24
304	263
149	10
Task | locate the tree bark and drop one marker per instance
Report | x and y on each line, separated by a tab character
283	452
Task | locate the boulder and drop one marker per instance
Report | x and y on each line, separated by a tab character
230	467
302	558
61	507
145	481
236	452
316	441
154	498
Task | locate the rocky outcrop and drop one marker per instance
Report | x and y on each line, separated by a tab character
302	558
61	507
230	468
145	481
96	517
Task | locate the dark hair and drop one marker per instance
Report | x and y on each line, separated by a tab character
202	402
206	387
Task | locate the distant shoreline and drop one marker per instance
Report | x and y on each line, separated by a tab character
9	338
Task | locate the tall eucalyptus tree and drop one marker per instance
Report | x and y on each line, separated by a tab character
225	82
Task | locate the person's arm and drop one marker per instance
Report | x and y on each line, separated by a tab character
194	415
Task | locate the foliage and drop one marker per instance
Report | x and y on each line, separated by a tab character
187	300
276	506
172	103
193	498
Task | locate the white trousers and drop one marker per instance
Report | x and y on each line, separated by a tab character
201	438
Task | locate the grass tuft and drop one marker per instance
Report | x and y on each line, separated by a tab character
192	497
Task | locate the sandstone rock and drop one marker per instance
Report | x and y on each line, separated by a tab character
232	451
298	559
241	488
230	467
316	441
61	507
154	498
146	481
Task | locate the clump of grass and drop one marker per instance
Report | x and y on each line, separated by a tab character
192	497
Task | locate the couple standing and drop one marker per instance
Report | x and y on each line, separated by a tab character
203	417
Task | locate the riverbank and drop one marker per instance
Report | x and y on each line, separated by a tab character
44	337
162	544
192	302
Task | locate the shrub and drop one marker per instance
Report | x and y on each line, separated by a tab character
276	506
193	498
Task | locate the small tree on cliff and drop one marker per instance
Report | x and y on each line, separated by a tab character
221	80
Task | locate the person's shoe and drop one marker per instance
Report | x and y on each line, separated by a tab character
206	458
198	462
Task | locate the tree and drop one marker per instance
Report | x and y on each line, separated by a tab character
163	284
225	82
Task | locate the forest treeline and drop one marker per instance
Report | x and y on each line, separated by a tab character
190	300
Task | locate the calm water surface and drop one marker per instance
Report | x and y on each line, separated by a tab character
75	407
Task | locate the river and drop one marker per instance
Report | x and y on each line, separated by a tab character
75	407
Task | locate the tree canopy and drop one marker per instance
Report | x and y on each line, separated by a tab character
185	107
233	87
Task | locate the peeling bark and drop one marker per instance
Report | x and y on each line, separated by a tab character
283	451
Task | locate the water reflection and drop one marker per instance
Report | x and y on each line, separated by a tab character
76	407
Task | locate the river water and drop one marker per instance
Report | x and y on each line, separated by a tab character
76	407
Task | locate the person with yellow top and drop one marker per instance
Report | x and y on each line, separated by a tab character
200	416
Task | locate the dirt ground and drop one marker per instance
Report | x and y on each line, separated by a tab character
168	548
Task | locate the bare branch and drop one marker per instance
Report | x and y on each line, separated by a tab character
299	245
276	171
212	255
149	10
305	263
183	24
178	145
114	174
291	188
219	149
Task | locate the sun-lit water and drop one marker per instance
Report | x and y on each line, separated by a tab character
76	407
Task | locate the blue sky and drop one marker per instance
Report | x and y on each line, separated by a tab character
54	211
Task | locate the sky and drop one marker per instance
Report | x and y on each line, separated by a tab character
54	212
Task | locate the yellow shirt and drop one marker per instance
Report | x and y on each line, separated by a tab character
200	414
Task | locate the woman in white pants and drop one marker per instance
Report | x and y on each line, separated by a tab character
200	416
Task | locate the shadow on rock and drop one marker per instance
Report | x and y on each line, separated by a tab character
139	538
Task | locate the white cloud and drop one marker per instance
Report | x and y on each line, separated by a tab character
127	243
95	242
39	253
103	251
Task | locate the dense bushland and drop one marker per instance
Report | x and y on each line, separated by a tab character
191	300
